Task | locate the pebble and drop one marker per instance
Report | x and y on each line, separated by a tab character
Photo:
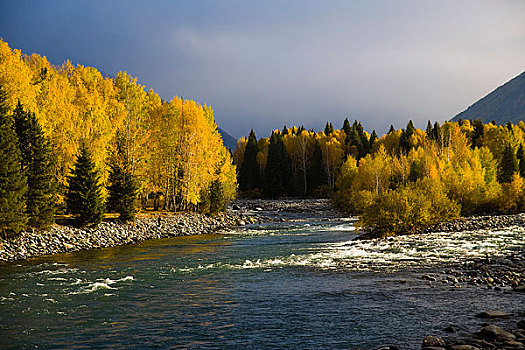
61	238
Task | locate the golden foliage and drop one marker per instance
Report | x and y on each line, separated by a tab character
172	147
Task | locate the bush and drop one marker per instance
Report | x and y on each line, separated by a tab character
408	209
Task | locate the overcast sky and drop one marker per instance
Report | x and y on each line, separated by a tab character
264	64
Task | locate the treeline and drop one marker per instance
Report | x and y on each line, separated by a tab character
296	161
402	182
167	154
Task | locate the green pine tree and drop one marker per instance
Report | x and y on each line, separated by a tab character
316	173
477	134
83	196
429	130
249	173
406	134
436	133
13	184
38	167
346	127
276	173
520	155
392	129
122	191
122	187
508	165
373	139
328	129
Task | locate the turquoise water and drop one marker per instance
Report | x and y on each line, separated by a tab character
300	285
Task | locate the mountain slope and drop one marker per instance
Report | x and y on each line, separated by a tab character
506	103
227	139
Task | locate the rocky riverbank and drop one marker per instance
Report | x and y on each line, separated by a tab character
490	336
299	206
505	273
480	222
63	238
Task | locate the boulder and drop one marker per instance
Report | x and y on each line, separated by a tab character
430	341
519	289
464	347
493	332
492	314
513	345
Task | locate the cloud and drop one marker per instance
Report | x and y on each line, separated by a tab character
270	63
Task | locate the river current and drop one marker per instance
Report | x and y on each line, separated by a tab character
300	284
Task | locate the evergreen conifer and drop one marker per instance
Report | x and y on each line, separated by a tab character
328	129
436	133
477	134
38	167
392	129
316	173
508	165
406	134
13	184
122	188
429	130
276	173
373	139
520	155
346	127
83	196
122	191
249	174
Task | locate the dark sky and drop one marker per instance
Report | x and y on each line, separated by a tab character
264	64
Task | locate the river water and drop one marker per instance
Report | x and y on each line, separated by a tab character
298	285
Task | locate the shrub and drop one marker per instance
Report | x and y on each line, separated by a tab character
408	209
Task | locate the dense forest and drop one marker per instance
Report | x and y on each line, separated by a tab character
403	182
73	141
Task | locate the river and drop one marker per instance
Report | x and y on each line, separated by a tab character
300	284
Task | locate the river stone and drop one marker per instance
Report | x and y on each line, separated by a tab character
513	344
464	347
520	289
493	332
432	341
451	329
429	278
492	314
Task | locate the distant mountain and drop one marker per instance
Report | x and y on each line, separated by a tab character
227	139
506	103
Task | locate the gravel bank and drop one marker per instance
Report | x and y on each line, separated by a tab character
61	239
305	206
481	222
